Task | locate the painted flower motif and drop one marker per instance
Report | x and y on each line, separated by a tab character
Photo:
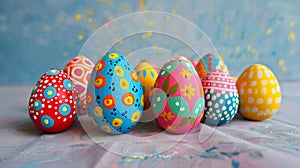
167	116
106	128
186	74
117	122
134	76
170	128
128	99
188	91
136	116
119	71
124	83
109	102
99	81
113	55
100	66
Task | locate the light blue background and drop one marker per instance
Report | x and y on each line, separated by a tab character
38	35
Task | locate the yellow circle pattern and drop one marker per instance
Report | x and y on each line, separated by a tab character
98	111
106	128
124	83
117	122
136	116
113	55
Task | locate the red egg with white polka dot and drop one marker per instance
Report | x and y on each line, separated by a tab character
53	102
79	69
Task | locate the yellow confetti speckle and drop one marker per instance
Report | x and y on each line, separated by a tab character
269	31
47	27
129	160
226	28
150	23
237	48
80	37
292	24
231	35
281	62
149	33
248	47
174	11
283	69
78	16
292	36
61	19
90	20
120	41
141	3
90	12
168	18
65	54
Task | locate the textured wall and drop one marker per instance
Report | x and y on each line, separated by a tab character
37	35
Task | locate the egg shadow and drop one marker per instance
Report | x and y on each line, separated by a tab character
26	127
143	129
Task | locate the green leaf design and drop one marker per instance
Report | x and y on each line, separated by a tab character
190	67
158	102
173	89
180	107
192	121
183	122
168	68
166	84
198	107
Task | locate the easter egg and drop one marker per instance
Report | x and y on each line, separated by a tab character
115	95
259	91
147	73
221	98
52	104
177	97
79	69
209	63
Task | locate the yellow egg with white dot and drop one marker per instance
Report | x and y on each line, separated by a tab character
259	93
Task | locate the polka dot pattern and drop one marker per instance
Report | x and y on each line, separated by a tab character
221	98
68	84
50	92
47	121
218	109
114	95
64	109
52	105
259	91
79	69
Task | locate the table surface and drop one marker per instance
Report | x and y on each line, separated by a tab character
241	143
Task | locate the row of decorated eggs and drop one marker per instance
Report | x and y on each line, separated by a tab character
180	95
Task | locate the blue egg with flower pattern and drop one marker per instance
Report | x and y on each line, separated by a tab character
115	95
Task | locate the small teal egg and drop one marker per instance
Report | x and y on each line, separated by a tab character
221	98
